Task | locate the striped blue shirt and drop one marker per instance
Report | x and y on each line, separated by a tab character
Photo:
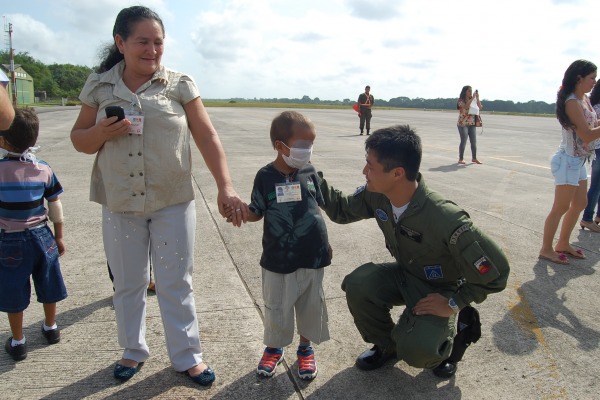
23	188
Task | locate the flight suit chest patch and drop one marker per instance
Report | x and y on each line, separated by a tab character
382	215
411	234
433	272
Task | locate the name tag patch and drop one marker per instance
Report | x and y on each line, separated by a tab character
382	215
411	233
433	272
483	265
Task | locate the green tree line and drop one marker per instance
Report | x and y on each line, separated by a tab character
67	80
530	107
57	80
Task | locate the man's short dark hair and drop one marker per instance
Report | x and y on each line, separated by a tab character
23	132
397	146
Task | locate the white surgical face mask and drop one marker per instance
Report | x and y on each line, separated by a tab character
298	158
3	153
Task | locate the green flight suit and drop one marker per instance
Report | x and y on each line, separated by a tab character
437	250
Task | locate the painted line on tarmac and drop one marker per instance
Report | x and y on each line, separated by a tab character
492	157
518	162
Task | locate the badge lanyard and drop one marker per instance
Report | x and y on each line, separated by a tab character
135	116
288	192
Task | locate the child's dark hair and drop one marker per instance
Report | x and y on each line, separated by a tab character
282	126
23	131
397	146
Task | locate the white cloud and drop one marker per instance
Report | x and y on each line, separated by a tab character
512	49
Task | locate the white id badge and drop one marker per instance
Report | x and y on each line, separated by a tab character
137	123
287	192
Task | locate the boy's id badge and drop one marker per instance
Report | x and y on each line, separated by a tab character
137	123
287	192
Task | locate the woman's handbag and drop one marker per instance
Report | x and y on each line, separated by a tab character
478	121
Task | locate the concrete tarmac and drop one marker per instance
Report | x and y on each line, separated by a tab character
540	336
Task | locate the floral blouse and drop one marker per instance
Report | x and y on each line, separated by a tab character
464	118
571	143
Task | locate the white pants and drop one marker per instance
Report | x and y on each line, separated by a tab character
302	292
169	235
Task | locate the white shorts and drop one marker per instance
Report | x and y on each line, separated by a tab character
302	292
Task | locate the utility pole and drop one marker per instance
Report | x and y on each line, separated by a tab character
13	78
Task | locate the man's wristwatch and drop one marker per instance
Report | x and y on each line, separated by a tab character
452	304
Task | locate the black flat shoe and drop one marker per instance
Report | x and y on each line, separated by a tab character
123	373
18	352
52	336
374	358
446	369
205	378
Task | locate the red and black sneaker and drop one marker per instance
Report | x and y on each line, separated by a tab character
271	358
307	367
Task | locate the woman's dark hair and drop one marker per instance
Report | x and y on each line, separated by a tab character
397	146
595	95
463	95
576	71
124	23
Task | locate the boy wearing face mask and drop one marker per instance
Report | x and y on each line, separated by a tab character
295	245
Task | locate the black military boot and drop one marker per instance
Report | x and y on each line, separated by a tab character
469	331
374	358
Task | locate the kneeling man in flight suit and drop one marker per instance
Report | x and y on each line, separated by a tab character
443	262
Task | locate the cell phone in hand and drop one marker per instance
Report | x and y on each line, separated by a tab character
115	111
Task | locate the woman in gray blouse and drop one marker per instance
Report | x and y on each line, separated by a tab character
142	178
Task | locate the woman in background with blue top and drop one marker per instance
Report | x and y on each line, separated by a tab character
588	220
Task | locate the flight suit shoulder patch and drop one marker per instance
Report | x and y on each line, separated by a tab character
359	189
483	265
462	229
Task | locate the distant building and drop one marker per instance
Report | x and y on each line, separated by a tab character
24	84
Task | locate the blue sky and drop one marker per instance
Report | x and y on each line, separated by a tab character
510	50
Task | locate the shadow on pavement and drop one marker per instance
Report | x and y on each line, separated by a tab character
448	168
251	386
35	341
539	307
389	382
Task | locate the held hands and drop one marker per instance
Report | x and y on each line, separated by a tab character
433	304
232	207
